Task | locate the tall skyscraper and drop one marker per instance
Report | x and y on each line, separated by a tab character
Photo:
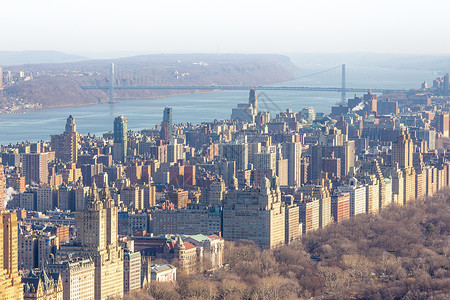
255	214
347	156
253	100
402	150
166	126
35	168
316	162
2	188
237	152
97	239
402	158
167	115
70	125
10	281
442	124
66	145
120	139
293	153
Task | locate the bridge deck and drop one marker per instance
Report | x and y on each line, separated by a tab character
226	87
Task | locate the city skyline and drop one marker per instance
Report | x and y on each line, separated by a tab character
98	210
204	149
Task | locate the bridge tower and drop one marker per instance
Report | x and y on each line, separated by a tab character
343	97
111	84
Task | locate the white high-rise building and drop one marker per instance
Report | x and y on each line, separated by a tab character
357	196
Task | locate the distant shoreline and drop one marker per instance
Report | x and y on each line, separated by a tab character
22	111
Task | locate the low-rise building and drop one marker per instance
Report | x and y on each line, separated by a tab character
209	249
163	272
42	286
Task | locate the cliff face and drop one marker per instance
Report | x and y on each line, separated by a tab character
60	84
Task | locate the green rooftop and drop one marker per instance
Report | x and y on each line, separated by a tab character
199	237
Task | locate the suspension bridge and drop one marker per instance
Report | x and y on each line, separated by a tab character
343	89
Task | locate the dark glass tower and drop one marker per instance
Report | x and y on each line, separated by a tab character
120	139
166	126
253	100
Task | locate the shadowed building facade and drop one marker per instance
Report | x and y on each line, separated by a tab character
120	139
35	168
166	133
2	188
11	287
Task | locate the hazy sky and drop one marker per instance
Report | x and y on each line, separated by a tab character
85	26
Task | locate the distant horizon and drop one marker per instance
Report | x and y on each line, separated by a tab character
437	62
122	54
245	26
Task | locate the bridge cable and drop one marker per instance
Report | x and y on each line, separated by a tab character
318	72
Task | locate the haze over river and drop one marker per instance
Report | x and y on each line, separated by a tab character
196	108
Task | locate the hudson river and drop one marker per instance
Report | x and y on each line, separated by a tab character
97	119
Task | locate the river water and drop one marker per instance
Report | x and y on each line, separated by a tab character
146	113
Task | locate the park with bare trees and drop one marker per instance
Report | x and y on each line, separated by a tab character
401	253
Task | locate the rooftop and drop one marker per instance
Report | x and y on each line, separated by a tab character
156	268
